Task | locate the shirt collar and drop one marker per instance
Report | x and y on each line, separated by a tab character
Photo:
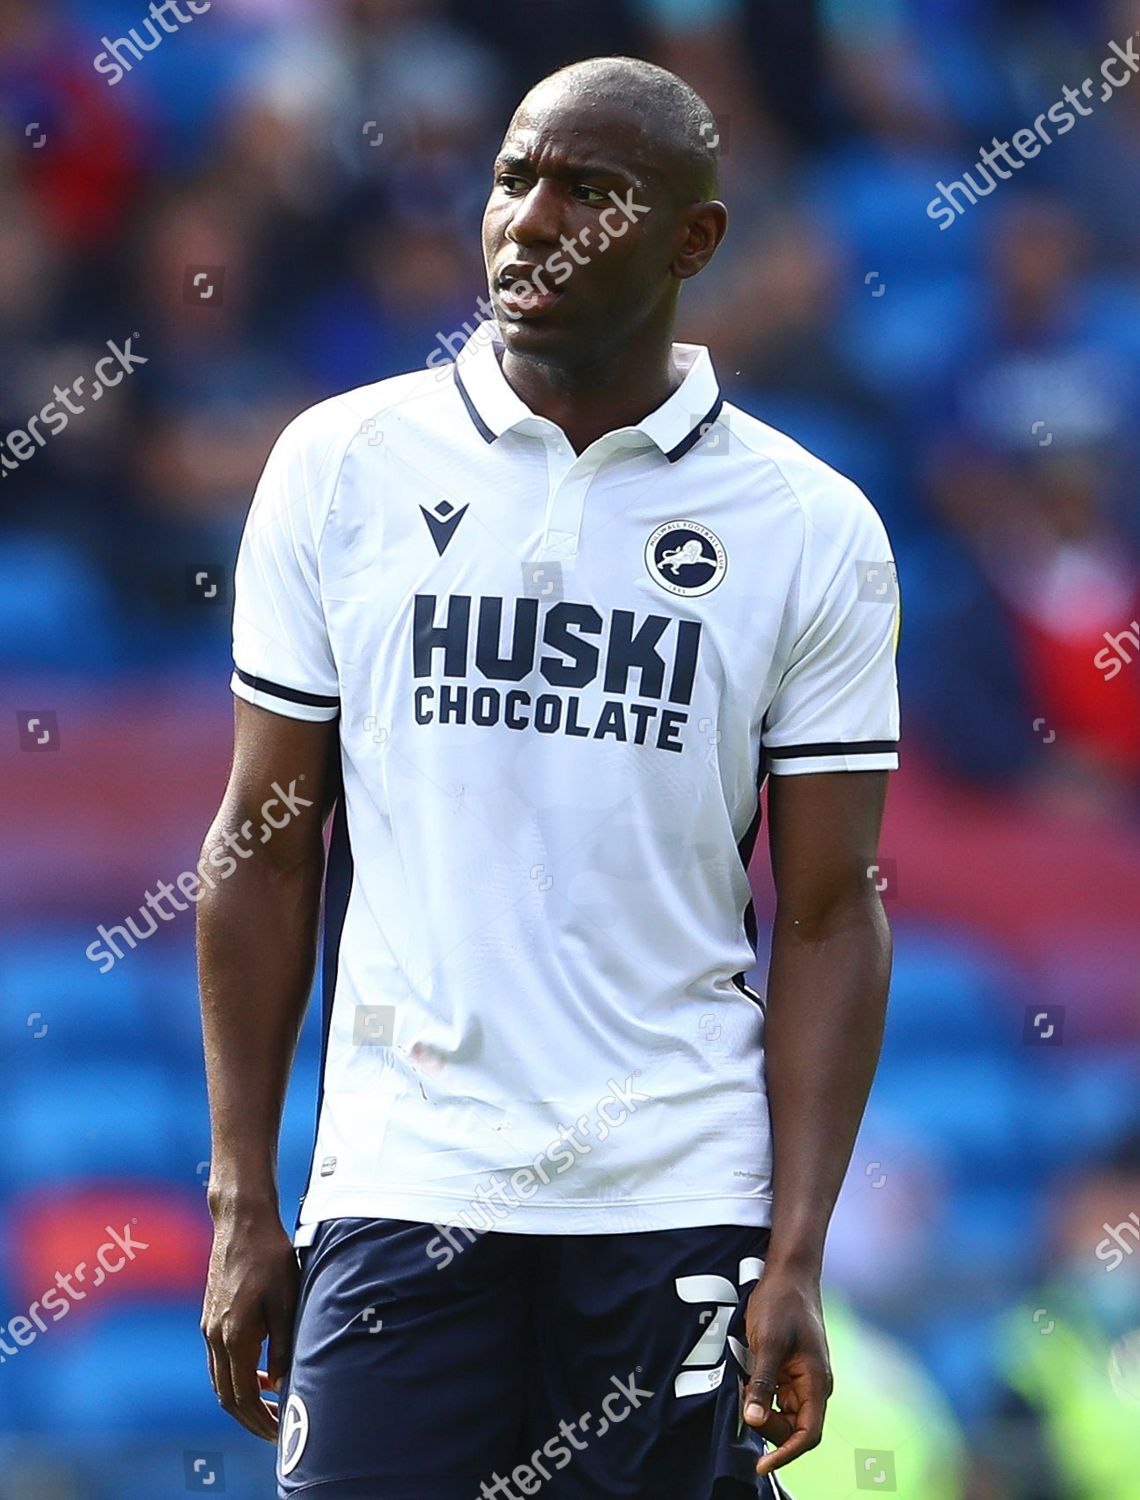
674	426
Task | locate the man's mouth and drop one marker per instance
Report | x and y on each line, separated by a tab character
522	291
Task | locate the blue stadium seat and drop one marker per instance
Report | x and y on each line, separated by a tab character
57	610
955	1343
1012	1116
141	1466
950	994
168	978
110	1119
875	204
1089	1098
47	982
917	334
134	1368
1108	314
967	1109
997	1233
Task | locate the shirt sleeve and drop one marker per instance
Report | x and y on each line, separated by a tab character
836	706
283	660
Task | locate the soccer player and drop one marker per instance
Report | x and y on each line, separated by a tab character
537	624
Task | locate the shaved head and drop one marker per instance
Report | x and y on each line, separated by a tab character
680	129
602	204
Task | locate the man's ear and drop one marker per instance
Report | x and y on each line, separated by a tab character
703	226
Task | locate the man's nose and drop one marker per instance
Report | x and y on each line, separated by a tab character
537	218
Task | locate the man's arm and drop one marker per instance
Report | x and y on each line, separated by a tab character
257	932
827	992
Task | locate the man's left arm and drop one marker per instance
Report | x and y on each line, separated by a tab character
826	1004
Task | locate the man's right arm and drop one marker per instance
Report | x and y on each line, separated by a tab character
257	935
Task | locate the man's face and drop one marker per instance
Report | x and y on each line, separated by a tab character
579	231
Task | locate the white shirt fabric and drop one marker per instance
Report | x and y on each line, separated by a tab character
560	681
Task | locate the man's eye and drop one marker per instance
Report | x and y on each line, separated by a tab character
510	182
588	194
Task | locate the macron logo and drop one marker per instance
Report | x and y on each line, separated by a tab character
442	519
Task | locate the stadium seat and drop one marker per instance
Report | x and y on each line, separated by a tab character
1088	1098
169	980
915	336
58	610
112	1119
1108	314
875	204
966	1109
949	994
997	1235
56	1003
130	1369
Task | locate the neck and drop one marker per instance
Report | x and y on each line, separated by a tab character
587	401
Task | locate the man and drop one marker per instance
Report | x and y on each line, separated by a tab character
570	608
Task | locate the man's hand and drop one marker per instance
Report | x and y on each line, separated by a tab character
791	1371
251	1295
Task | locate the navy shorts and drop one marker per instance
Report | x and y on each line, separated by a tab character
571	1367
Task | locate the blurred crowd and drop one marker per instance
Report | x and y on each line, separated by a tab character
275	200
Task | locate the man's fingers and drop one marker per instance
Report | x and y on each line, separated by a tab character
774	1425
802	1437
789	1416
776	1428
219	1370
758	1398
279	1319
241	1352
212	1362
251	1410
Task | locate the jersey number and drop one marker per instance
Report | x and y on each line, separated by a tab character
704	1365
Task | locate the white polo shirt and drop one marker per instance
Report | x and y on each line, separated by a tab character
560	680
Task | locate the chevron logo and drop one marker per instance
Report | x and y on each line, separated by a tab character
442	520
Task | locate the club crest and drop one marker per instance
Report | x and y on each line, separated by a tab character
686	558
